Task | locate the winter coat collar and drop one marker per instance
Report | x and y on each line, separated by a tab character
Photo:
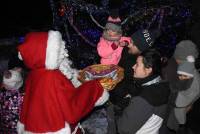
155	80
154	90
143	81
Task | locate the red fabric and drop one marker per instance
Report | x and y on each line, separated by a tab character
33	50
114	46
126	43
50	98
73	126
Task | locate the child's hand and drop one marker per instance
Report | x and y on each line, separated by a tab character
123	43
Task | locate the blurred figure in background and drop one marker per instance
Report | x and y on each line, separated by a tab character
11	96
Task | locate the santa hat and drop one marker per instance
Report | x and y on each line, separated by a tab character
187	67
42	50
143	39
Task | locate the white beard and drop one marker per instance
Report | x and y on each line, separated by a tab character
69	72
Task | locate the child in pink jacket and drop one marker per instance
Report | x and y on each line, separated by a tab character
112	43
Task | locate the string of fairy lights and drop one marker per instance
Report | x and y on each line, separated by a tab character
82	22
147	16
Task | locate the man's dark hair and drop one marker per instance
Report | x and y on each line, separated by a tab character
152	58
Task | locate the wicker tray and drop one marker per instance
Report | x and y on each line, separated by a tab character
98	70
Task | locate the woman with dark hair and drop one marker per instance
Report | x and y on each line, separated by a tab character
146	111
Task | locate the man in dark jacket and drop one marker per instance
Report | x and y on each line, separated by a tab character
141	41
120	96
146	111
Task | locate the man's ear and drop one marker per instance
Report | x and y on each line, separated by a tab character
19	56
148	70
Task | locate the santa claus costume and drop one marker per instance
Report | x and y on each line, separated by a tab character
51	103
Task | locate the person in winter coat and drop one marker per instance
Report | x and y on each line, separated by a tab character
183	49
146	111
51	103
11	96
141	41
185	98
112	42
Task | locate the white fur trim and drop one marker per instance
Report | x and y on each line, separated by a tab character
54	44
184	73
104	97
57	55
20	56
21	130
190	58
69	72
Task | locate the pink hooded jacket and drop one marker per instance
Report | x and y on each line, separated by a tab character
107	53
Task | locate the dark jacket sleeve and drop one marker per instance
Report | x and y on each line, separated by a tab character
126	85
134	116
117	96
169	71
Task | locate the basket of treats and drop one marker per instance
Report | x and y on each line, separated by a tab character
109	75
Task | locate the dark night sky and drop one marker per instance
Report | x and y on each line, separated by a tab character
19	16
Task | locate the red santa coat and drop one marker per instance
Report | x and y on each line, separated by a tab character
51	102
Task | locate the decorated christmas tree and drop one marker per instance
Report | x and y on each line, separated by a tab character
82	23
